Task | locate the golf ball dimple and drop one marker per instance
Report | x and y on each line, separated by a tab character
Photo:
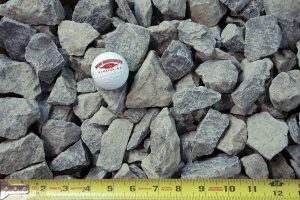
110	71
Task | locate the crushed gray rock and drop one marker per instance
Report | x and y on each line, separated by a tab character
103	117
296	168
137	171
26	151
259	68
96	173
294	152
279	168
125	11
189	80
186	146
252	9
91	135
268	107
294	129
288	10
57	135
150	81
194	98
236	110
233	38
61	113
284	61
134	115
143	12
16	116
224	104
171	9
274	133
136	156
235	5
124	173
255	166
37	171
86	86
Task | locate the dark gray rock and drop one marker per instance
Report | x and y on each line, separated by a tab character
37	171
225	104
284	61
96	173
294	152
126	12
235	5
134	115
186	146
279	168
252	9
91	135
86	86
103	117
171	9
233	38
268	107
296	168
290	33
137	171
143	12
294	129
255	166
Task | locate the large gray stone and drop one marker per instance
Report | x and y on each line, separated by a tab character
113	145
164	159
57	135
235	5
37	171
283	10
86	86
130	41
266	134
61	113
255	166
194	98
103	117
125	12
91	135
134	115
189	80
279	168
44	56
259	68
233	38
143	12
253	9
149	82
174	9
18	154
34	12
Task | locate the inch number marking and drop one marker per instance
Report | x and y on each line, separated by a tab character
155	188
252	188
231	188
201	188
178	188
132	188
278	193
42	188
110	188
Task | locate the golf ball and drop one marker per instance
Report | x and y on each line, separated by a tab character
110	71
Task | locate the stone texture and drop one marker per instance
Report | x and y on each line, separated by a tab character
134	115
112	142
268	107
136	156
235	5
294	152
296	168
189	80
263	37
172	9
284	61
61	113
125	11
137	171
44	56
73	158
194	98
266	134
255	166
57	135
37	171
220	76
233	38
150	81
15	37
16	116
23	152
283	10
198	36
34	12
124	173
143	12
279	168
186	146
82	35
91	135
86	86
252	9
177	60
130	41
207	12
164	159
221	166
259	68
294	129
103	117
96	173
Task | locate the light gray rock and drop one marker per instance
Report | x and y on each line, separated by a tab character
216	31
259	68
268	107
221	166
143	12
44	56
124	173
294	129
25	84
218	54
134	115
57	135
235	137
37	171
266	134
136	156
198	36
171	9
194	98
15	37
16	116
61	113
220	76
186	146
233	38
284	61
73	158
87	105
255	166
64	90
34	12
298	52
91	135
177	60
82	35
207	12
22	153
294	152
236	110
296	168
253	9
209	132
142	129
130	41
126	12
263	37
137	171
96	173
283	10
164	159
103	117
150	81
114	143
86	86
235	5
189	80
279	168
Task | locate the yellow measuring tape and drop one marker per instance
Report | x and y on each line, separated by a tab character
143	189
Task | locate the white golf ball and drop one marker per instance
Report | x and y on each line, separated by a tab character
110	71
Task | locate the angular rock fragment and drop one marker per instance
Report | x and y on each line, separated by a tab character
136	156
82	35
236	110
44	56
103	117
235	5
15	37
294	129
252	9
96	173
255	166
16	116
130	41
298	53
171	9
37	171
73	158
207	12
268	107
189	80
150	81
124	172
177	60
61	113
224	104
290	33
91	135
87	105
259	68
279	168
142	129
221	166
296	168
23	152
143	12
198	36
134	115
284	61
263	37
86	86
233	38
34	12
57	135
266	134
294	152
164	159
114	142
186	146
137	171
209	132
220	76
126	11
235	137
194	98
283	10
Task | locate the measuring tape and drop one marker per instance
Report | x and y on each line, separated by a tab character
145	189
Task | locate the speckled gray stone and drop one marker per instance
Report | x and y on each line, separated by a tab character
37	171
172	9
255	166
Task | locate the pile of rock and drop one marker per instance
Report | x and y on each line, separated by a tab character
213	91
